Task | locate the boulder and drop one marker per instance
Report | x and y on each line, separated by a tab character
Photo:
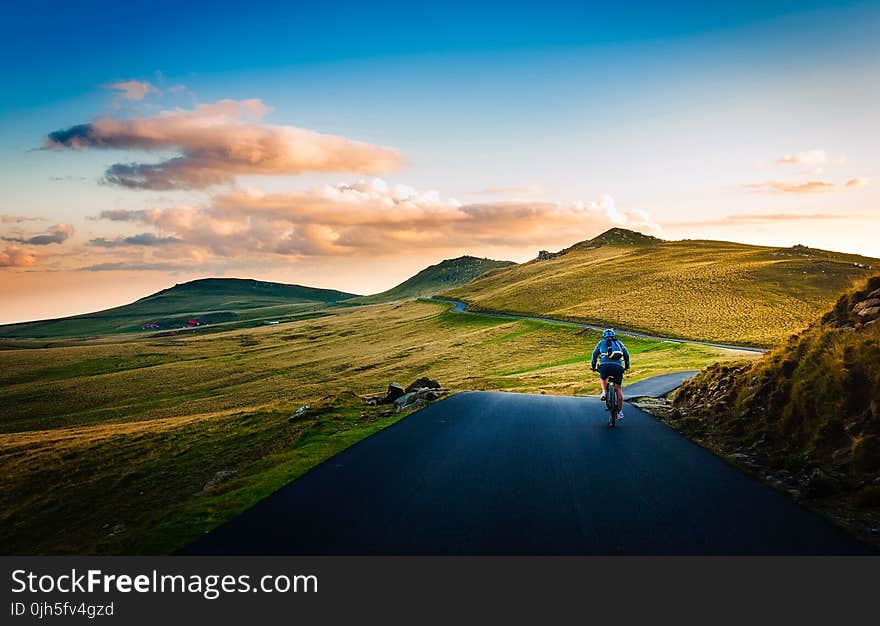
417	398
866	304
423	383
395	391
870	313
299	413
401	402
215	481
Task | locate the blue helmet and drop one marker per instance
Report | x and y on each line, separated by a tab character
608	334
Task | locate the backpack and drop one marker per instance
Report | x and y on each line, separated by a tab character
613	352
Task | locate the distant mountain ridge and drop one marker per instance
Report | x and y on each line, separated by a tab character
715	291
211	301
235	287
436	278
203	301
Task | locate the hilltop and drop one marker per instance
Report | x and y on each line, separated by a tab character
616	237
692	289
205	301
437	278
806	415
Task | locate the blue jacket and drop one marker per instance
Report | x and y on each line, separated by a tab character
603	354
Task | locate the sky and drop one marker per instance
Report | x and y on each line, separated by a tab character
349	145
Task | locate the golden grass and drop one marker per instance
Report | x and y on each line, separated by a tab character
103	445
704	290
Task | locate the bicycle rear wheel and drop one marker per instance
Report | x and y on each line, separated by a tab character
611	403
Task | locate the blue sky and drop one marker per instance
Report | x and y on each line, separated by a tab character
683	112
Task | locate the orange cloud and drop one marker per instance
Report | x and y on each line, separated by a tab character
17	219
810	186
217	142
370	218
15	256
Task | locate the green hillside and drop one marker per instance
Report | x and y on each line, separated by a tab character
208	301
807	414
706	290
436	278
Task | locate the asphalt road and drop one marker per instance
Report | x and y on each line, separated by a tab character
461	307
656	386
500	473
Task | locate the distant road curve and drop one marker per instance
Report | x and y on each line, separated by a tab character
461	307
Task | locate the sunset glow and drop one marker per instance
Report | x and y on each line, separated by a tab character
319	153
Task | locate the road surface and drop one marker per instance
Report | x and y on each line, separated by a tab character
656	386
501	473
461	307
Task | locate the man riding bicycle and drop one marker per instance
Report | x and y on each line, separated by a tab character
613	361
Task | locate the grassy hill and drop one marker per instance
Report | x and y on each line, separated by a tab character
435	279
111	445
807	415
707	290
209	301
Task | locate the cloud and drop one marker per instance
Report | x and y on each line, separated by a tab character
809	157
143	239
133	89
858	181
810	186
59	233
216	143
18	219
15	256
373	218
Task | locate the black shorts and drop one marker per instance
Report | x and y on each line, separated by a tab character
612	371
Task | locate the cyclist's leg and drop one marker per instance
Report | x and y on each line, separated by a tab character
618	387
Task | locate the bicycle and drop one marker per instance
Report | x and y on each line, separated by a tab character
611	403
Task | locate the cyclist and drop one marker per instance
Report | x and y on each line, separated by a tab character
613	361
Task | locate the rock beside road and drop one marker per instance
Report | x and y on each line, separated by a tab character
395	391
416	394
423	383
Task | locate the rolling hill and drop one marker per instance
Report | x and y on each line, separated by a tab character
207	301
435	279
691	289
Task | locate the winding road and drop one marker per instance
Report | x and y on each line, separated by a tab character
461	307
501	473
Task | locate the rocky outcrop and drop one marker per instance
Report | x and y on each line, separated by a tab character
416	394
395	391
299	413
806	416
423	383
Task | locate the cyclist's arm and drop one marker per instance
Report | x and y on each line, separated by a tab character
595	356
625	355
